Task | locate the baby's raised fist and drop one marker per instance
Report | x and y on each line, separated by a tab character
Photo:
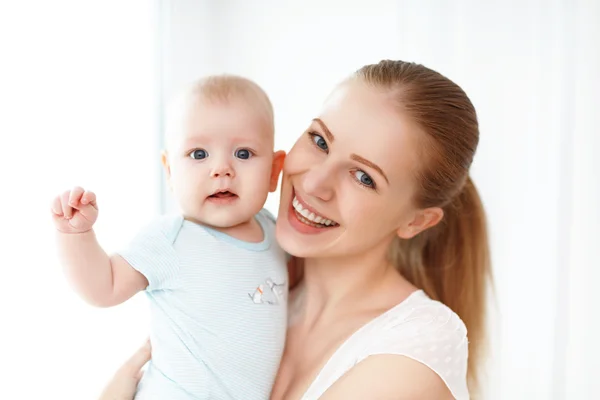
75	211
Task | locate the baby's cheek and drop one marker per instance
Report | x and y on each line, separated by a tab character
259	189
259	177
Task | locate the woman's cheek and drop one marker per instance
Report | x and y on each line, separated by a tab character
305	156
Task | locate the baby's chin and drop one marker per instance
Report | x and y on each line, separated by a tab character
222	219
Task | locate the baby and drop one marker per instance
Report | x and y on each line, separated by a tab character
214	274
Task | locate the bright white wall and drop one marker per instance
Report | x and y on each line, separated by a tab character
77	107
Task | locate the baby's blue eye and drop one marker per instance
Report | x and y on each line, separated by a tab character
199	154
320	142
364	179
243	154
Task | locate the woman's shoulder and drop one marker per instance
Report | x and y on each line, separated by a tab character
419	329
421	316
427	331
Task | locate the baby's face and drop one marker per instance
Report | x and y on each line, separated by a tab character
220	165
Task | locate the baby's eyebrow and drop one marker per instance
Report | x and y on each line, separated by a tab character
207	140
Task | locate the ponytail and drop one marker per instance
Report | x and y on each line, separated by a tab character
451	263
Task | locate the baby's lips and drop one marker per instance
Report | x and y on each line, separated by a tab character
224	193
225	190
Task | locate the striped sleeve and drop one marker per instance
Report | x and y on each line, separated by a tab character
151	252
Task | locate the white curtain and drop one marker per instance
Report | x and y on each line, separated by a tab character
578	298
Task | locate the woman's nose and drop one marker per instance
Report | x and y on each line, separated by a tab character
319	183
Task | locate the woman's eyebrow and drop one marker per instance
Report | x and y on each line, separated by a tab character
368	163
354	157
325	129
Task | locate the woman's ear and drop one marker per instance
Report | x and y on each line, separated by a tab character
164	159
422	220
278	159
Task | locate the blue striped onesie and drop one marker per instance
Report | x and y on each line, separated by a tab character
218	310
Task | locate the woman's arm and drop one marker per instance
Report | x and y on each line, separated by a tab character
388	376
124	384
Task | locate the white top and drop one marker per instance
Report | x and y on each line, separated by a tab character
420	328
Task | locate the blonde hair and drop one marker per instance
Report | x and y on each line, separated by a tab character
220	89
451	261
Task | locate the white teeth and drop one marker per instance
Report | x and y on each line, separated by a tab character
311	216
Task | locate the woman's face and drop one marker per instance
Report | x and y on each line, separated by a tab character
349	180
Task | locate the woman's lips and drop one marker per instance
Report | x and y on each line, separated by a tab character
302	224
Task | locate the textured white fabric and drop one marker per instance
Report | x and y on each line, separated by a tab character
420	328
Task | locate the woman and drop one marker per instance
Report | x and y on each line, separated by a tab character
385	288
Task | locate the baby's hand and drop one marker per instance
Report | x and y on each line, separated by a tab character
75	211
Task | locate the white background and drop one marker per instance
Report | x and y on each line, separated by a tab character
79	104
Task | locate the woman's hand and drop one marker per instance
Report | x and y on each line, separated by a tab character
124	384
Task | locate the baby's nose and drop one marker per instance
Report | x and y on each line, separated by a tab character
222	171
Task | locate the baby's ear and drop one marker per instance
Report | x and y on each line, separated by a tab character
278	159
164	159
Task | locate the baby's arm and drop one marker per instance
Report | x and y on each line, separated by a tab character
100	279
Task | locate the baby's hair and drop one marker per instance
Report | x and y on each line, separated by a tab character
221	89
227	87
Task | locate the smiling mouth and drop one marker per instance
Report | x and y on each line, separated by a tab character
309	217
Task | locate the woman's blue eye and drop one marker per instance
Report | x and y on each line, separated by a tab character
243	154
199	154
364	179
320	142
